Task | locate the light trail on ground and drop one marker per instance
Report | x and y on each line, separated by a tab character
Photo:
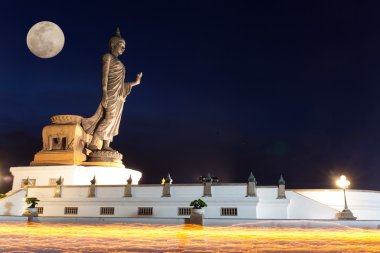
56	237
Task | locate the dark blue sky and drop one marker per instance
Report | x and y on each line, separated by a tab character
229	87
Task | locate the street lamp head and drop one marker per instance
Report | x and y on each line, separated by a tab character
343	182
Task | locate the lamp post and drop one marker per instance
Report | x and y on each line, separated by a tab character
346	214
343	183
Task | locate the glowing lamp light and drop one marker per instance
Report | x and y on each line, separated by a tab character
343	182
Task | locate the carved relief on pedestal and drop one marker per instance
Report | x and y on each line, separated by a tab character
63	142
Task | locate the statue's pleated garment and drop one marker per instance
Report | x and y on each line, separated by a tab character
106	121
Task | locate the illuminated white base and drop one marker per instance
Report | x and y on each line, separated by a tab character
302	204
73	175
111	191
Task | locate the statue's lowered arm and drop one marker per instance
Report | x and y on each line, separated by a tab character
105	70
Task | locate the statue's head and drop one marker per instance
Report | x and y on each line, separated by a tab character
117	43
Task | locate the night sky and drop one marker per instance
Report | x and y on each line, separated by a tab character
229	87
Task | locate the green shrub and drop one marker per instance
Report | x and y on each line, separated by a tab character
198	204
32	201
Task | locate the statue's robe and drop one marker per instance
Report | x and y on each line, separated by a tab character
105	123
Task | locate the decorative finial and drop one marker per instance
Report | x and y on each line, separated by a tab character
117	34
208	178
251	178
129	181
281	181
59	181
168	179
26	181
93	181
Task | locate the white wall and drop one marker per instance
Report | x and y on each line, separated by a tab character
74	175
300	204
13	204
269	207
365	205
145	196
223	196
302	207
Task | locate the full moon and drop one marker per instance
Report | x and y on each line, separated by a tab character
45	39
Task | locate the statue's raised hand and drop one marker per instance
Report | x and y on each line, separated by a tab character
138	78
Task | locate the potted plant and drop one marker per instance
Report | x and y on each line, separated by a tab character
197	205
32	201
31	211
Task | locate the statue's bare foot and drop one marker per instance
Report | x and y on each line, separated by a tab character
92	147
107	148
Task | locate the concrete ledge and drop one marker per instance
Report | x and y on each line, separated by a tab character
365	224
13	218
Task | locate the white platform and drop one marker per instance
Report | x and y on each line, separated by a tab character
73	175
364	204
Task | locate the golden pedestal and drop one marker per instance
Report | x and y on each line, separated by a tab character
64	143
